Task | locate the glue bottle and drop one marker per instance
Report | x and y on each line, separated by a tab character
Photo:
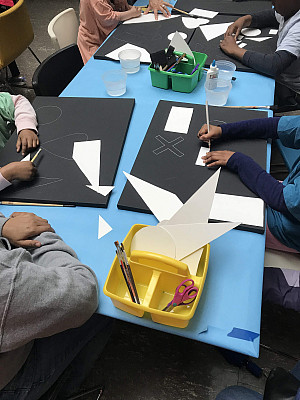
212	75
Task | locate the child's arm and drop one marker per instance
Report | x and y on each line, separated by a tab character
132	13
26	124
110	18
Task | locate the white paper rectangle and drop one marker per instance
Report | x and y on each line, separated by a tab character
179	119
204	13
273	31
246	210
203	151
241	45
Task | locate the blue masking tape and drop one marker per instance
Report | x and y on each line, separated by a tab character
243	334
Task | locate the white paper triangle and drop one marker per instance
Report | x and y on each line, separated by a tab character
259	39
87	156
180	45
103	227
145	56
214	30
148	18
161	202
104	190
26	158
204	13
191	237
192	261
192	23
154	239
198	206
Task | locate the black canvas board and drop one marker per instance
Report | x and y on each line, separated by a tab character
225	6
212	47
152	36
63	121
175	170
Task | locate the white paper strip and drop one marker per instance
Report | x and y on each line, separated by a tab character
259	39
148	18
145	57
203	151
246	210
103	227
161	202
214	30
204	13
193	23
179	119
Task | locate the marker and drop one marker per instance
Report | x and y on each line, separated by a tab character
195	69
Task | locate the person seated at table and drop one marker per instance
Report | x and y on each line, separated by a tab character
97	20
282	198
284	63
47	303
16	111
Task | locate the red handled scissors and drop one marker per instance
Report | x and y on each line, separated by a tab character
185	294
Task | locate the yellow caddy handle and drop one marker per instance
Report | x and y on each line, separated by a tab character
159	261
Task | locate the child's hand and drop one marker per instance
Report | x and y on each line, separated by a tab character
235	28
134	12
27	140
21	227
215	158
22	170
215	132
159	5
229	46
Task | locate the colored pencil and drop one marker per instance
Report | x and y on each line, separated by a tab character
20	203
36	154
207	120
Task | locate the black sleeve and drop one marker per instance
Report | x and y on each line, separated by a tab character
264	19
270	64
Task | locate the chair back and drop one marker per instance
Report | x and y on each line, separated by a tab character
16	33
56	72
63	28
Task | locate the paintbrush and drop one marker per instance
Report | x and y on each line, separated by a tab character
273	108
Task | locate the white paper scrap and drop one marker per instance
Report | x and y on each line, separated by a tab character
203	151
204	13
179	119
251	31
193	23
145	57
148	18
273	31
154	239
259	39
161	202
103	227
104	190
26	158
246	210
212	31
87	156
180	45
193	260
241	45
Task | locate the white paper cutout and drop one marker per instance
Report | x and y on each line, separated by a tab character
103	227
26	158
154	239
180	45
193	23
273	31
182	34
246	210
161	202
197	208
148	18
204	13
251	31
259	39
145	56
241	45
214	30
179	119
203	151
104	190
240	37
192	261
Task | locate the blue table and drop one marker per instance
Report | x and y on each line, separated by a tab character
228	314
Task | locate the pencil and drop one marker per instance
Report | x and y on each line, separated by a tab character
36	154
254	107
181	11
20	203
207	120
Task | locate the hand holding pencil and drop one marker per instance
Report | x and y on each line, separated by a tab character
211	132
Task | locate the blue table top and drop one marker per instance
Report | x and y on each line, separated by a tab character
228	314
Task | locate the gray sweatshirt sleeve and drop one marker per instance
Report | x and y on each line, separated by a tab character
43	292
264	19
270	64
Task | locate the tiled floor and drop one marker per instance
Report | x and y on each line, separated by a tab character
143	364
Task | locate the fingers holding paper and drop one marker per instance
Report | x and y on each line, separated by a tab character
215	132
159	5
217	158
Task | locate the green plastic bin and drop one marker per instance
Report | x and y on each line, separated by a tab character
180	82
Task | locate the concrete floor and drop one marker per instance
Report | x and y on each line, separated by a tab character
143	364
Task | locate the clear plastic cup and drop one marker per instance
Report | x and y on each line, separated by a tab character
217	94
130	60
226	69
115	82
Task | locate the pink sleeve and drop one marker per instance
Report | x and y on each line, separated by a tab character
3	182
108	17
25	117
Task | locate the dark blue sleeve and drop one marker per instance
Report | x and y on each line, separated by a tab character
259	181
261	128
